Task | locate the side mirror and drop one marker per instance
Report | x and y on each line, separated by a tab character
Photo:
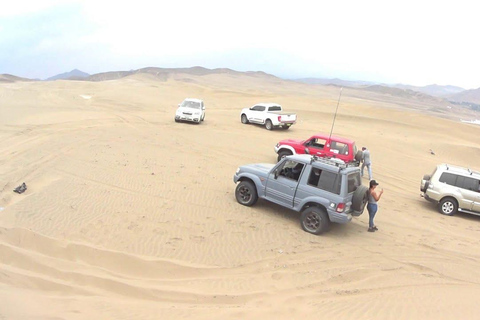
275	173
307	151
203	107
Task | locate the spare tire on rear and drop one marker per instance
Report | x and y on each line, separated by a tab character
359	200
359	156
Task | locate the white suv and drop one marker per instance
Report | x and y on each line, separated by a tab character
454	188
190	110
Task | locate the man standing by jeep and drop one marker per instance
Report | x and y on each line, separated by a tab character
366	162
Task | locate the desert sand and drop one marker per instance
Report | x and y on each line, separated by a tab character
129	215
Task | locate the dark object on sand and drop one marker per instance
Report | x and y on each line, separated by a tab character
21	188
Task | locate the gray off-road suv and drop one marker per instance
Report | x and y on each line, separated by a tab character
323	190
453	188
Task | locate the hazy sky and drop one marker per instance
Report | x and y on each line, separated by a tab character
410	42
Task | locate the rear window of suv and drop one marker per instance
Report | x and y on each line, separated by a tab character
460	181
354	180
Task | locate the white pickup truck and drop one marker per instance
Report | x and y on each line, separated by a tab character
270	115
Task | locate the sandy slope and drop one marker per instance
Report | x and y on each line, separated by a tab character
129	215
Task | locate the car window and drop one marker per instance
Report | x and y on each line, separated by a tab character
291	170
191	104
467	183
329	181
354	181
448	178
325	180
317	143
339	148
275	108
258	108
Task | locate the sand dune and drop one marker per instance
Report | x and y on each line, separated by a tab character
129	215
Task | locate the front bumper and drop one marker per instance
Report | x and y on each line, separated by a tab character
185	117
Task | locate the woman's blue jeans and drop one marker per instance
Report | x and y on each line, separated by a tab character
372	210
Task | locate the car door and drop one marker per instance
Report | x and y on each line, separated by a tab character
282	183
470	190
316	146
256	114
476	203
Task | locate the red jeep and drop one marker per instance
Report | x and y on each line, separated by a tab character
321	145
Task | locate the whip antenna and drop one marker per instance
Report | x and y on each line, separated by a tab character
336	112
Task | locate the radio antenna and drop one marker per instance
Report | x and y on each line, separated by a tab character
338	102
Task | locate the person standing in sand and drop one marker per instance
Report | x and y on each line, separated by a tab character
366	162
372	206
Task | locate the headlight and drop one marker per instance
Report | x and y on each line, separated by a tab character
238	170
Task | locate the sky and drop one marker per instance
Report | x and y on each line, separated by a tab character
410	42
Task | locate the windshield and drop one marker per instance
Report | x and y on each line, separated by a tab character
191	104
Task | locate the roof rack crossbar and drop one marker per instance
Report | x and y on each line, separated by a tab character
332	162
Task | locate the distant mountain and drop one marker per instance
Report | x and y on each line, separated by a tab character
403	93
468	97
163	73
10	78
75	74
336	81
433	89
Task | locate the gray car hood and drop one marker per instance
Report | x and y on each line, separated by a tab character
260	169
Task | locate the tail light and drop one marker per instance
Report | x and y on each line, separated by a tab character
279	118
340	207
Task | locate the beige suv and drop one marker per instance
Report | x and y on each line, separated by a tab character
453	188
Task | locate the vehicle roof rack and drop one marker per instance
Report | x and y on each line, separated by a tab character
332	161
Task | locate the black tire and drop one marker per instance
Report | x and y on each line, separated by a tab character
448	206
314	220
246	193
176	120
268	124
359	200
283	153
358	156
203	119
244	119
